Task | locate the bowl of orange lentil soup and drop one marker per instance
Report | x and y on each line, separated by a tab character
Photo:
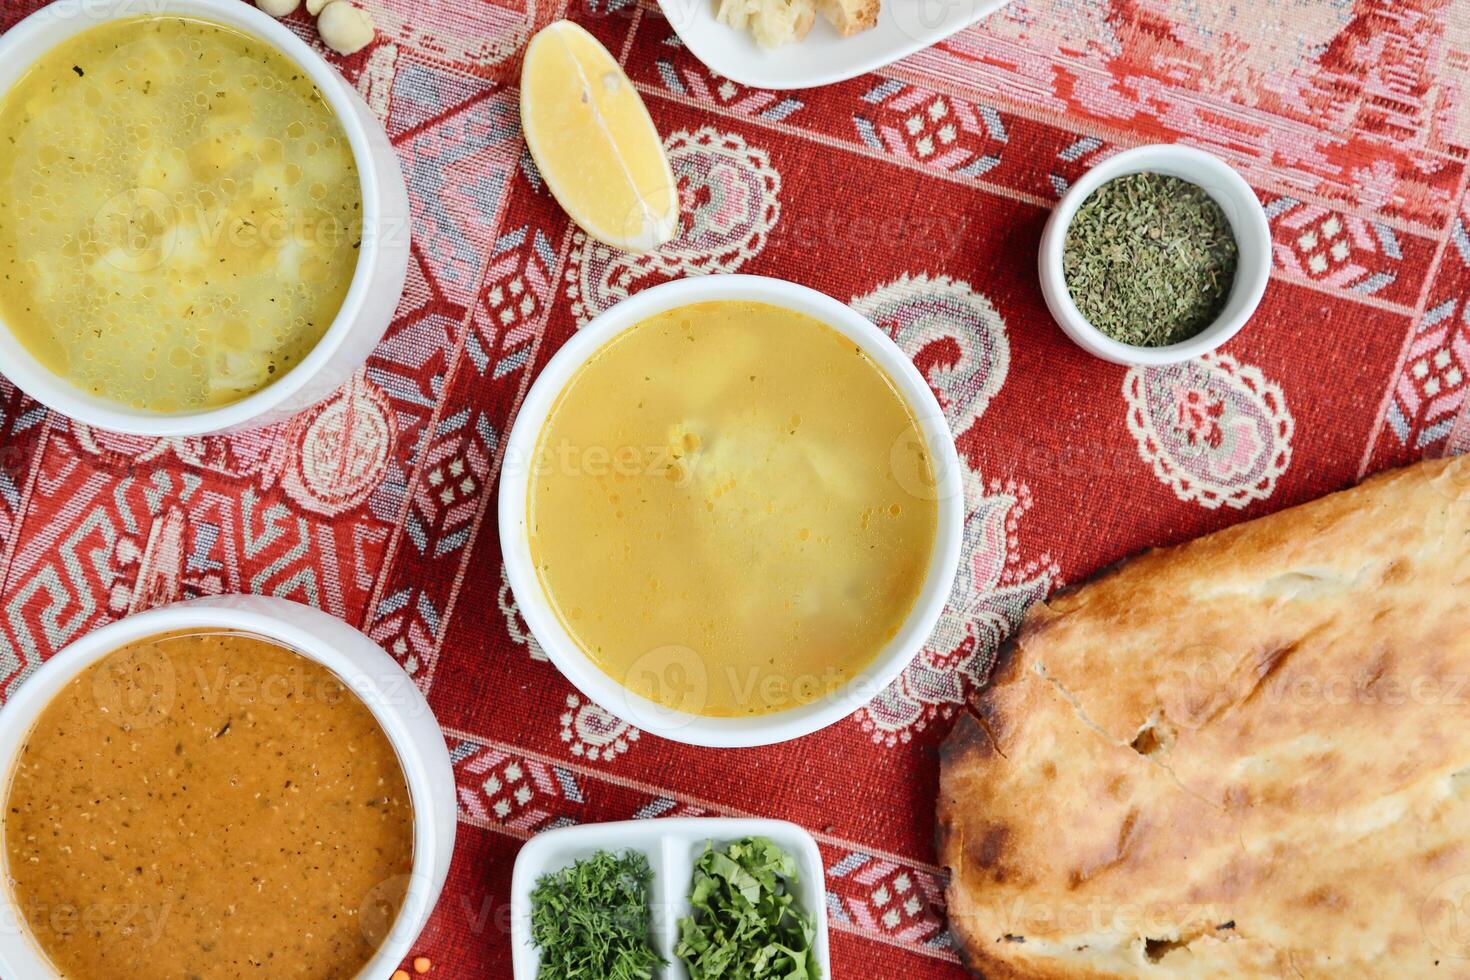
223	788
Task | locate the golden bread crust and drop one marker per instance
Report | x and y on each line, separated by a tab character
1245	756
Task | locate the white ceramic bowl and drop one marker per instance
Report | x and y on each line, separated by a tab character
823	56
357	661
671	846
382	263
1247	220
564	652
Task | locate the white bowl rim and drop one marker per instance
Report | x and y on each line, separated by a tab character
21	367
252	615
1216	177
546	626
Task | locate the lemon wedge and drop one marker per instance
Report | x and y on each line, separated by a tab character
593	140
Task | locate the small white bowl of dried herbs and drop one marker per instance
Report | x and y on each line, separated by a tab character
1156	255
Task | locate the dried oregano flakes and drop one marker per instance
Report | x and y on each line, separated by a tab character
1149	259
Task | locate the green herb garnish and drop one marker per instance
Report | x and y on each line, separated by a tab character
746	923
591	920
1149	259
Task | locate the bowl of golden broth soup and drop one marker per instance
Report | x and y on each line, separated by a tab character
227	787
730	510
202	225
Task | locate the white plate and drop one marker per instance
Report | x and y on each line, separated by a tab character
672	846
824	56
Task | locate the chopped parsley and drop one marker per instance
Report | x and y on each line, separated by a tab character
591	920
747	924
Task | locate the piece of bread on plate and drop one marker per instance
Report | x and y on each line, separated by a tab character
771	22
1247	756
849	17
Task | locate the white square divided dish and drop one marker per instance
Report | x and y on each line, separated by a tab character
672	847
823	56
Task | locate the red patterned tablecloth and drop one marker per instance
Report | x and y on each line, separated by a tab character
918	194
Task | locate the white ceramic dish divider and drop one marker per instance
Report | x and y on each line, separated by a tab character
672	847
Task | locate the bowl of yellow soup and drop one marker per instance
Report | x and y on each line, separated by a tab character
730	510
225	787
203	227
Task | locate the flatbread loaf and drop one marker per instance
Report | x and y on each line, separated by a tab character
1245	756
